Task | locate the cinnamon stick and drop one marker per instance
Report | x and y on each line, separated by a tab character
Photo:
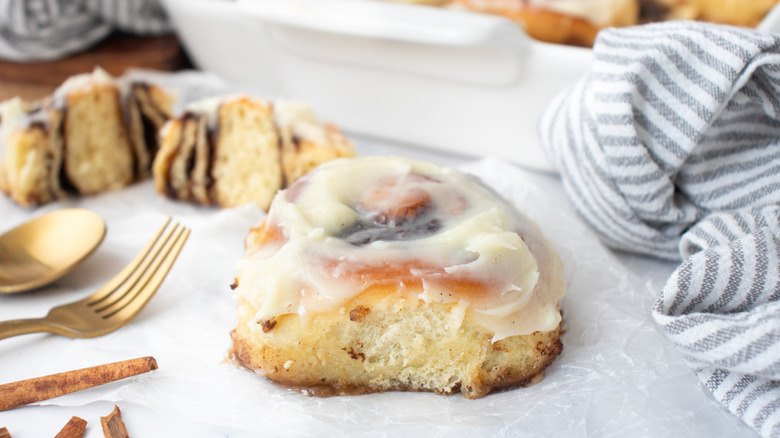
43	388
113	426
74	429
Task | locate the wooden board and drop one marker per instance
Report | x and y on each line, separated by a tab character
115	54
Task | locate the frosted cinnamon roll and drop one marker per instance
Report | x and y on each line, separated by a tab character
377	273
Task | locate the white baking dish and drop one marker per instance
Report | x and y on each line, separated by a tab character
450	80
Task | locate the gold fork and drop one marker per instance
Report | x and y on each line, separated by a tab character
116	303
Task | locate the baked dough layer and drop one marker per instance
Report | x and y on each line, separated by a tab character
381	342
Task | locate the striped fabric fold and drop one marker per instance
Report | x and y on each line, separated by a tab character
670	147
37	30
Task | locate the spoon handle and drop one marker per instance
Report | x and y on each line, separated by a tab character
17	327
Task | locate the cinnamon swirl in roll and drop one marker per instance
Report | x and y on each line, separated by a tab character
379	273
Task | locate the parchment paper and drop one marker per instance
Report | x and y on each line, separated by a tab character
617	375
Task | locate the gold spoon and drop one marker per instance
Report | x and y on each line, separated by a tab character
48	247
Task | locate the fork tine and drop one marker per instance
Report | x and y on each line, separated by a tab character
137	275
128	270
132	307
142	276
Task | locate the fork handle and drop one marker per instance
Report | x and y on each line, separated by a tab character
17	327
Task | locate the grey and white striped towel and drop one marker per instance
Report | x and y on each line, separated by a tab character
670	147
36	30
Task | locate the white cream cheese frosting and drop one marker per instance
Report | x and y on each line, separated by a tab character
432	233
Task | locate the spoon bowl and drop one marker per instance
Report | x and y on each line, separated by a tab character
46	248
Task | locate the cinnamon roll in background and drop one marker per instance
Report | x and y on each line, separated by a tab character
734	12
576	22
232	150
573	22
98	133
378	273
95	133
